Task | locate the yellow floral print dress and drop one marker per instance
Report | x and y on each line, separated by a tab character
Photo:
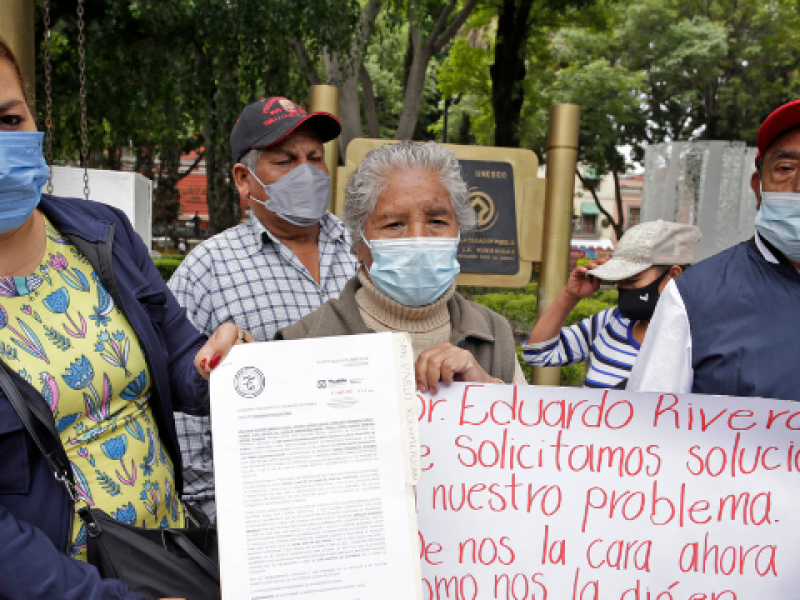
60	330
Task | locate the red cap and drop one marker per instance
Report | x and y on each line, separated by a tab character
776	124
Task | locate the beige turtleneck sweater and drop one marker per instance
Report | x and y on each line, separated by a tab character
427	326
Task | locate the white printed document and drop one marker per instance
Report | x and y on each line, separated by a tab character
316	452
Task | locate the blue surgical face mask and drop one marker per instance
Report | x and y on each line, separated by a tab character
302	196
414	271
23	172
778	222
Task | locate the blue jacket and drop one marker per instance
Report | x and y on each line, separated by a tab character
35	510
744	318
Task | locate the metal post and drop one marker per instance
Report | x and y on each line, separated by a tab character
16	28
325	98
562	158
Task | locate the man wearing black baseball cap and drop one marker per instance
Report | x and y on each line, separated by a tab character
290	257
731	324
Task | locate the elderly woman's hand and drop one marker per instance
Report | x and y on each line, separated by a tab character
218	346
448	363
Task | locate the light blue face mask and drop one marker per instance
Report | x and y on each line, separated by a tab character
23	172
302	196
414	271
778	222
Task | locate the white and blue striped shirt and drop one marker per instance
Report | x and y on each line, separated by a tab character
605	339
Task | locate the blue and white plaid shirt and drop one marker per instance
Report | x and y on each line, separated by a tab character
248	276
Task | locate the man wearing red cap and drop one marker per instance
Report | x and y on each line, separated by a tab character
731	324
288	259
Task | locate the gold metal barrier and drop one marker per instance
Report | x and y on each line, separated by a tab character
325	98
562	158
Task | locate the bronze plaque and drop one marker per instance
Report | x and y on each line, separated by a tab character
491	247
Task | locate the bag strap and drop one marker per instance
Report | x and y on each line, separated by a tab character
34	420
202	561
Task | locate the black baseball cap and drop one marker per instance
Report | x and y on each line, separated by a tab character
270	120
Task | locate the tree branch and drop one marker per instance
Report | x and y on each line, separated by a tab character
452	30
305	63
441	21
414	32
200	157
370	110
602	208
619	228
365	27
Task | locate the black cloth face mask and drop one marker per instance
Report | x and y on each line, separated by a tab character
638	304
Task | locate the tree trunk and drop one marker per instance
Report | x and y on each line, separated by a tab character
465	136
211	167
616	225
423	50
167	198
222	197
349	113
619	227
344	74
349	108
412	98
370	109
508	71
145	158
306	65
114	156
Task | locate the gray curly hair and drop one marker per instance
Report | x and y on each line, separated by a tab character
372	177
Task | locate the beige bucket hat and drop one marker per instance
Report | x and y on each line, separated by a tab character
647	244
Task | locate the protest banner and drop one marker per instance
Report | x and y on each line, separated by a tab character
577	494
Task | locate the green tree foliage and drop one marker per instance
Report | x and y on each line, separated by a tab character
387	63
715	68
464	79
522	28
167	77
643	72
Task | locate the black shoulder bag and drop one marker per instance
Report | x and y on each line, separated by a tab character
155	563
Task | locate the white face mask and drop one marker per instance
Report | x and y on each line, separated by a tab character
414	271
301	196
778	222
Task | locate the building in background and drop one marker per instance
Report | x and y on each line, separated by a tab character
632	187
592	233
194	206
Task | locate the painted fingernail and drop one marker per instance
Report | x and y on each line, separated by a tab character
203	364
214	361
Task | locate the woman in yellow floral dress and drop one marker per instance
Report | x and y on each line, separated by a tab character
89	331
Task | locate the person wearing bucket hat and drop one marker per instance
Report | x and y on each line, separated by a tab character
647	257
732	324
284	262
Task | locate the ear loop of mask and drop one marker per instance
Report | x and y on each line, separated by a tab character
253	198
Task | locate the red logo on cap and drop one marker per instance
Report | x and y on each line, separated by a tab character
277	106
282	108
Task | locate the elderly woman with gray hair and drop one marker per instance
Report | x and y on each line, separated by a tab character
406	206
